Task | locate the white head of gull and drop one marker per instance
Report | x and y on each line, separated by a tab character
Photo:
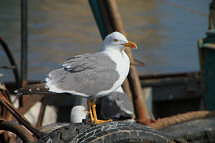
94	75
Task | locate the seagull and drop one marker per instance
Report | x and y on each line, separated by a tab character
93	75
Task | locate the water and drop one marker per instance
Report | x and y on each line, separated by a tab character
166	32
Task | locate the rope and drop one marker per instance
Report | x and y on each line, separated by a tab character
172	120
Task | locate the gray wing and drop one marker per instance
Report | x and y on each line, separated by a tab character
87	74
80	63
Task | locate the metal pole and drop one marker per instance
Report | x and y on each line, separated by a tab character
106	27
98	16
24	42
141	111
110	15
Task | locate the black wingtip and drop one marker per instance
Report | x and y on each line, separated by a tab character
20	92
29	91
39	88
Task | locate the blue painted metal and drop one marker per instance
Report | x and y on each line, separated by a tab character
96	9
207	62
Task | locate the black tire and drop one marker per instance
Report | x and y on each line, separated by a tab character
111	132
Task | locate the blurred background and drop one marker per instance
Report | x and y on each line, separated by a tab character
166	32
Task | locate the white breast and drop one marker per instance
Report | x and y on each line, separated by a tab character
122	66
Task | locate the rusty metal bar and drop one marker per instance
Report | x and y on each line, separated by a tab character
105	26
4	113
165	122
19	117
111	27
29	102
41	115
18	130
141	111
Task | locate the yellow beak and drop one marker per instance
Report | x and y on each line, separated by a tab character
130	45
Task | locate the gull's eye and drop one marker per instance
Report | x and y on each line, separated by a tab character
115	40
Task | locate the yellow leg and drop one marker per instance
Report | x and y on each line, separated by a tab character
96	121
90	110
93	115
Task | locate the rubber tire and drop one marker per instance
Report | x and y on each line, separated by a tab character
111	132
